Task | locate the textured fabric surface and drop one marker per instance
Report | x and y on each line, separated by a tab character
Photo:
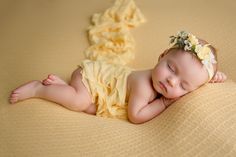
107	84
42	37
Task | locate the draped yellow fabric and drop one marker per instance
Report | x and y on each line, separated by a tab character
110	36
112	46
107	84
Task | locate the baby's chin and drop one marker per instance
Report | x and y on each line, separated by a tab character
170	96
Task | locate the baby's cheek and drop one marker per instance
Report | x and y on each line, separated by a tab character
176	93
161	72
183	93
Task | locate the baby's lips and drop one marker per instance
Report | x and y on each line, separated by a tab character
163	86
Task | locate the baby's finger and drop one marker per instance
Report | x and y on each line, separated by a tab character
212	80
219	78
215	78
224	77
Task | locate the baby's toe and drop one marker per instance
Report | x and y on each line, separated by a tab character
12	101
50	81
13	98
16	91
51	77
14	95
46	81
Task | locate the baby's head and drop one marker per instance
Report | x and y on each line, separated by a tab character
187	65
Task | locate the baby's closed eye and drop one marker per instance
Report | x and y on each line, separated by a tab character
182	86
170	67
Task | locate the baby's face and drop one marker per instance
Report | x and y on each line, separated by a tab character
178	73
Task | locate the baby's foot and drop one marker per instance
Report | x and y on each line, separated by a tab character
53	79
25	91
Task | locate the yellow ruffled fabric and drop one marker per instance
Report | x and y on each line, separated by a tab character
110	36
107	84
111	47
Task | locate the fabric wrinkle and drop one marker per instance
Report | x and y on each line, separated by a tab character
107	83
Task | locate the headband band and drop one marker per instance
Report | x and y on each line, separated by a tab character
190	43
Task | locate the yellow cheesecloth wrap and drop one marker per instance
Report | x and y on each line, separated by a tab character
109	34
107	84
111	47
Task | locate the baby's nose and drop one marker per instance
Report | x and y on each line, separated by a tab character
172	81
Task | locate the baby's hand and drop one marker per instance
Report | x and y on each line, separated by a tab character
167	102
219	77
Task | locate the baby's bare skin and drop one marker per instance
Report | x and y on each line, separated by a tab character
175	75
31	89
73	96
25	91
53	79
219	77
150	91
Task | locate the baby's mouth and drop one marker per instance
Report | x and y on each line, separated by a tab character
163	87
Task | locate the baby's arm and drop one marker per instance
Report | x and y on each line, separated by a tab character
219	77
140	111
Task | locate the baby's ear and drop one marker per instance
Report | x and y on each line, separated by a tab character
163	54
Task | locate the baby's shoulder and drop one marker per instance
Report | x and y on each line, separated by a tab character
141	82
143	75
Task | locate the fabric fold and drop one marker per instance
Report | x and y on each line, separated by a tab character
107	84
109	35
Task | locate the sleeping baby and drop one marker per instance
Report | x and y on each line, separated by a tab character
116	91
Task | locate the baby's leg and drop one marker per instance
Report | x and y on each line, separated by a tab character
76	82
66	95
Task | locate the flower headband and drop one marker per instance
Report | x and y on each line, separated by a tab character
190	43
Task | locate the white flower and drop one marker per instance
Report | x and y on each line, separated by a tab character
193	39
187	47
